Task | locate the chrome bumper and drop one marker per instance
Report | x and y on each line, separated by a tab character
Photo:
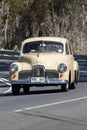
50	81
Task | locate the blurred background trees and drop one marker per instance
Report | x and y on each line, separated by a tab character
20	19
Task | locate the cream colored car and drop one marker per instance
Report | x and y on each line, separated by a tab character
44	61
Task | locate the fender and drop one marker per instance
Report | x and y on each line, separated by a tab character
21	66
75	65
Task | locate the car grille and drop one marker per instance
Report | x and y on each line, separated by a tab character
38	71
52	74
24	74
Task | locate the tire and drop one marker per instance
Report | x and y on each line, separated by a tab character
15	89
76	76
26	89
65	87
73	86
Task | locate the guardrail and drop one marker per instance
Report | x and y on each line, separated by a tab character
14	55
82	59
9	54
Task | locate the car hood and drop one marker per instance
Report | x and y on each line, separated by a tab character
50	61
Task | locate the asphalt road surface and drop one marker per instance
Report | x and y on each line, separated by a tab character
43	108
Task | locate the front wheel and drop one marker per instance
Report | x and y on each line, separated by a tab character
73	85
26	89
15	89
65	87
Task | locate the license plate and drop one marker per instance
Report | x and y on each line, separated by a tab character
37	79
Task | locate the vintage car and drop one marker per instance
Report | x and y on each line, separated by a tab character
44	61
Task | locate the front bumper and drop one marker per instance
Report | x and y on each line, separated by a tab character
48	82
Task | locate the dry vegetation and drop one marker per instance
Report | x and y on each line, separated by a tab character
21	19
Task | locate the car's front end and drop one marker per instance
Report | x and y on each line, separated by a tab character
40	76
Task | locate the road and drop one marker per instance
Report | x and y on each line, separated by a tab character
44	108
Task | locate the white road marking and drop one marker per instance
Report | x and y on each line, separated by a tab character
5	81
7	90
51	104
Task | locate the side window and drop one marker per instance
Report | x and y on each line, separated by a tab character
67	49
70	49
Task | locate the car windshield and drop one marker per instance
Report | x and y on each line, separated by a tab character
43	46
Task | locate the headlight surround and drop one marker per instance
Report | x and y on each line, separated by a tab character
62	68
13	68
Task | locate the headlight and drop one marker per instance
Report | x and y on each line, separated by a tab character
13	68
62	68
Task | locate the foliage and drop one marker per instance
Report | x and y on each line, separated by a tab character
28	18
18	6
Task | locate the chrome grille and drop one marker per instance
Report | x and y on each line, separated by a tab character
38	71
24	74
52	74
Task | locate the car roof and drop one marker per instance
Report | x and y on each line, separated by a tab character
56	39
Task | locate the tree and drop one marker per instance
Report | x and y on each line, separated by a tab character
11	12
